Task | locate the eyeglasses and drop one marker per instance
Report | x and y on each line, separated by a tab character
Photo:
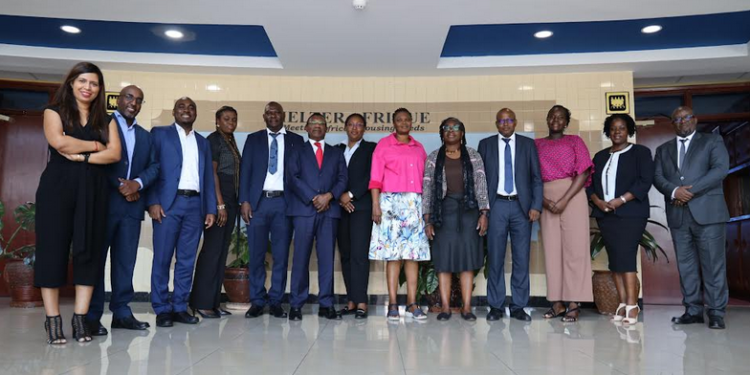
682	120
130	98
505	121
454	127
313	123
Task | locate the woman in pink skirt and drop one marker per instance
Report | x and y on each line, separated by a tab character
566	169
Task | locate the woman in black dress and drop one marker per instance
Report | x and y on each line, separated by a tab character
455	207
73	194
205	298
622	178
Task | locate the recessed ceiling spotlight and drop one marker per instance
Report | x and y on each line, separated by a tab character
70	29
651	29
174	34
543	34
213	88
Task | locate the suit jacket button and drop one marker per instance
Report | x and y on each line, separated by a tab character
126	163
682	178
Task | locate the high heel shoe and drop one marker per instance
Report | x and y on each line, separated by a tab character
81	331
212	315
617	316
627	319
53	327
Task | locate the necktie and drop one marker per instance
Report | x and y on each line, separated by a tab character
682	153
319	154
273	156
508	167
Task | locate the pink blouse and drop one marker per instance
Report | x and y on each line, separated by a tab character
397	167
566	157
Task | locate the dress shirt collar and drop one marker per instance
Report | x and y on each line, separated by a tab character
500	138
322	144
689	137
181	131
346	144
394	140
282	131
121	120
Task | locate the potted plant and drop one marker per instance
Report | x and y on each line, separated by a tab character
19	271
236	274
605	292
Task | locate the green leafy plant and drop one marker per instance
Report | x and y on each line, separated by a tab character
647	242
427	279
238	247
24	216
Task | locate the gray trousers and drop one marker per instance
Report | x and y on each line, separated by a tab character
701	249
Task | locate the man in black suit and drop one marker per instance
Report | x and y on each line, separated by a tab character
263	195
316	175
690	171
514	185
136	171
355	225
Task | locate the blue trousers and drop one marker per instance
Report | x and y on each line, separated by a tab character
507	218
321	229
177	236
269	220
122	238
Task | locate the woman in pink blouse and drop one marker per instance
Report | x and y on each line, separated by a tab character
566	169
398	235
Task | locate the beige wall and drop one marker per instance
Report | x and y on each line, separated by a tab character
474	98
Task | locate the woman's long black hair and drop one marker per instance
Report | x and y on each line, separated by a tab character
469	200
67	106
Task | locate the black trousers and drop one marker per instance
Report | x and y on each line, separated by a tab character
354	245
209	269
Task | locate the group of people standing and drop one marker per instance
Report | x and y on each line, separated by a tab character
388	201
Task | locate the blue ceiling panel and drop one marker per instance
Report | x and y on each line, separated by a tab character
597	36
220	40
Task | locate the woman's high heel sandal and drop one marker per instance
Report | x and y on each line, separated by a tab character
617	316
627	319
81	331
53	327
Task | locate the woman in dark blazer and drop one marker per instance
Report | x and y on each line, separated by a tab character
623	175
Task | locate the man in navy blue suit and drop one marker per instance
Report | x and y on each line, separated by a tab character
514	184
263	188
317	174
181	203
135	172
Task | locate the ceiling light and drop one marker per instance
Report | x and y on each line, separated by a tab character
70	29
213	88
174	34
651	29
543	34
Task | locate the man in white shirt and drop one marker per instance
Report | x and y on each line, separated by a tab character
263	195
689	171
181	204
514	185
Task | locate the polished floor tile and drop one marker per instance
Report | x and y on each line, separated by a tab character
268	345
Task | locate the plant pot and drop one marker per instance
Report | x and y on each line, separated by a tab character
20	280
605	292
237	284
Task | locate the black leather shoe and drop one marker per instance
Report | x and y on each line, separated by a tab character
347	311
687	319
164	320
716	322
222	312
360	314
129	323
444	316
96	328
329	313
520	314
184	318
295	314
277	311
495	314
469	316
254	311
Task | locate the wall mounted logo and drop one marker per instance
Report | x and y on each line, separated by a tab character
618	102
112	101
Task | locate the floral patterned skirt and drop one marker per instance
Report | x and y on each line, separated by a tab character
400	234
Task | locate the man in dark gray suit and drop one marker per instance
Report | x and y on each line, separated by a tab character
514	184
689	172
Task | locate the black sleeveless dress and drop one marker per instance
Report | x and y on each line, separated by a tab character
71	217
